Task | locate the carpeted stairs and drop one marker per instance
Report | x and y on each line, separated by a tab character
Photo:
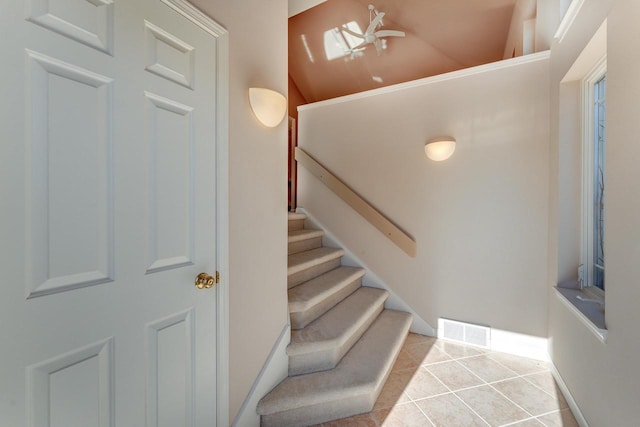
343	341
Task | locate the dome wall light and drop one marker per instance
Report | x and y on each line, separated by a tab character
268	105
441	148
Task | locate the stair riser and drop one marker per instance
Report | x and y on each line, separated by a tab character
301	319
310	273
328	359
304	245
317	414
296	224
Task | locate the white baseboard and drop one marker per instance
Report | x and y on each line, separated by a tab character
520	344
275	369
394	302
577	414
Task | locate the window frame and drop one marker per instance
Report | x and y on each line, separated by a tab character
588	158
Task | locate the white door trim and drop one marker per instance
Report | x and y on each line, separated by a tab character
222	198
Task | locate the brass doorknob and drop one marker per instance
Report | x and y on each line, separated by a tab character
204	281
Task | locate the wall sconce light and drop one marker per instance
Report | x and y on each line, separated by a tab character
439	149
268	105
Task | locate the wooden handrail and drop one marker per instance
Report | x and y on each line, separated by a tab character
368	212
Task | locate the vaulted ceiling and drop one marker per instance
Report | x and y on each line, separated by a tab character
441	36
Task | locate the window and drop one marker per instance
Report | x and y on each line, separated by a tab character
582	189
594	176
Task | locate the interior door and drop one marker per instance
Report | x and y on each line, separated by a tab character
108	214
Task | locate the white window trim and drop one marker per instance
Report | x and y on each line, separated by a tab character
586	255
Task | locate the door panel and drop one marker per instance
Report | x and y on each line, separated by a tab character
171	184
70	201
170	371
82	379
107	182
168	56
87	22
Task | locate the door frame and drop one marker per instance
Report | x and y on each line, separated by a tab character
221	34
293	164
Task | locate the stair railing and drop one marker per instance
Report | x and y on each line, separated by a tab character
357	203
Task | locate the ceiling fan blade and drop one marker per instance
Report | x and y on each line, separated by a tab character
353	33
389	33
374	24
360	46
378	45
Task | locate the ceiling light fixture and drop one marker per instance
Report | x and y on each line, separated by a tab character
441	148
371	36
268	105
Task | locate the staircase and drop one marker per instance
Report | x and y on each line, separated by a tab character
343	341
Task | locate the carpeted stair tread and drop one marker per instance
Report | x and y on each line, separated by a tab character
296	221
338	322
303	240
352	387
304	260
304	234
321	344
293	216
315	297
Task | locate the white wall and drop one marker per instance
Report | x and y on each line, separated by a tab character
479	219
548	15
569	180
258	197
604	379
523	11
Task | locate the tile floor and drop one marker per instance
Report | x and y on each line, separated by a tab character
439	383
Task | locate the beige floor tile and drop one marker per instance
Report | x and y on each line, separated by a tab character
528	396
520	365
393	391
364	420
449	363
457	351
426	353
492	406
527	423
407	415
487	368
448	411
404	361
454	375
423	384
546	382
562	418
417	338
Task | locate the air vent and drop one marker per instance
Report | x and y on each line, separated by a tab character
465	333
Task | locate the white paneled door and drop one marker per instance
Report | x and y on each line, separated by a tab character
108	212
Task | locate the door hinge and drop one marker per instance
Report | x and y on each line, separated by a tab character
217	277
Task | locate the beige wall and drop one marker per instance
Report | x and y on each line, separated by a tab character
480	254
258	198
604	379
479	219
